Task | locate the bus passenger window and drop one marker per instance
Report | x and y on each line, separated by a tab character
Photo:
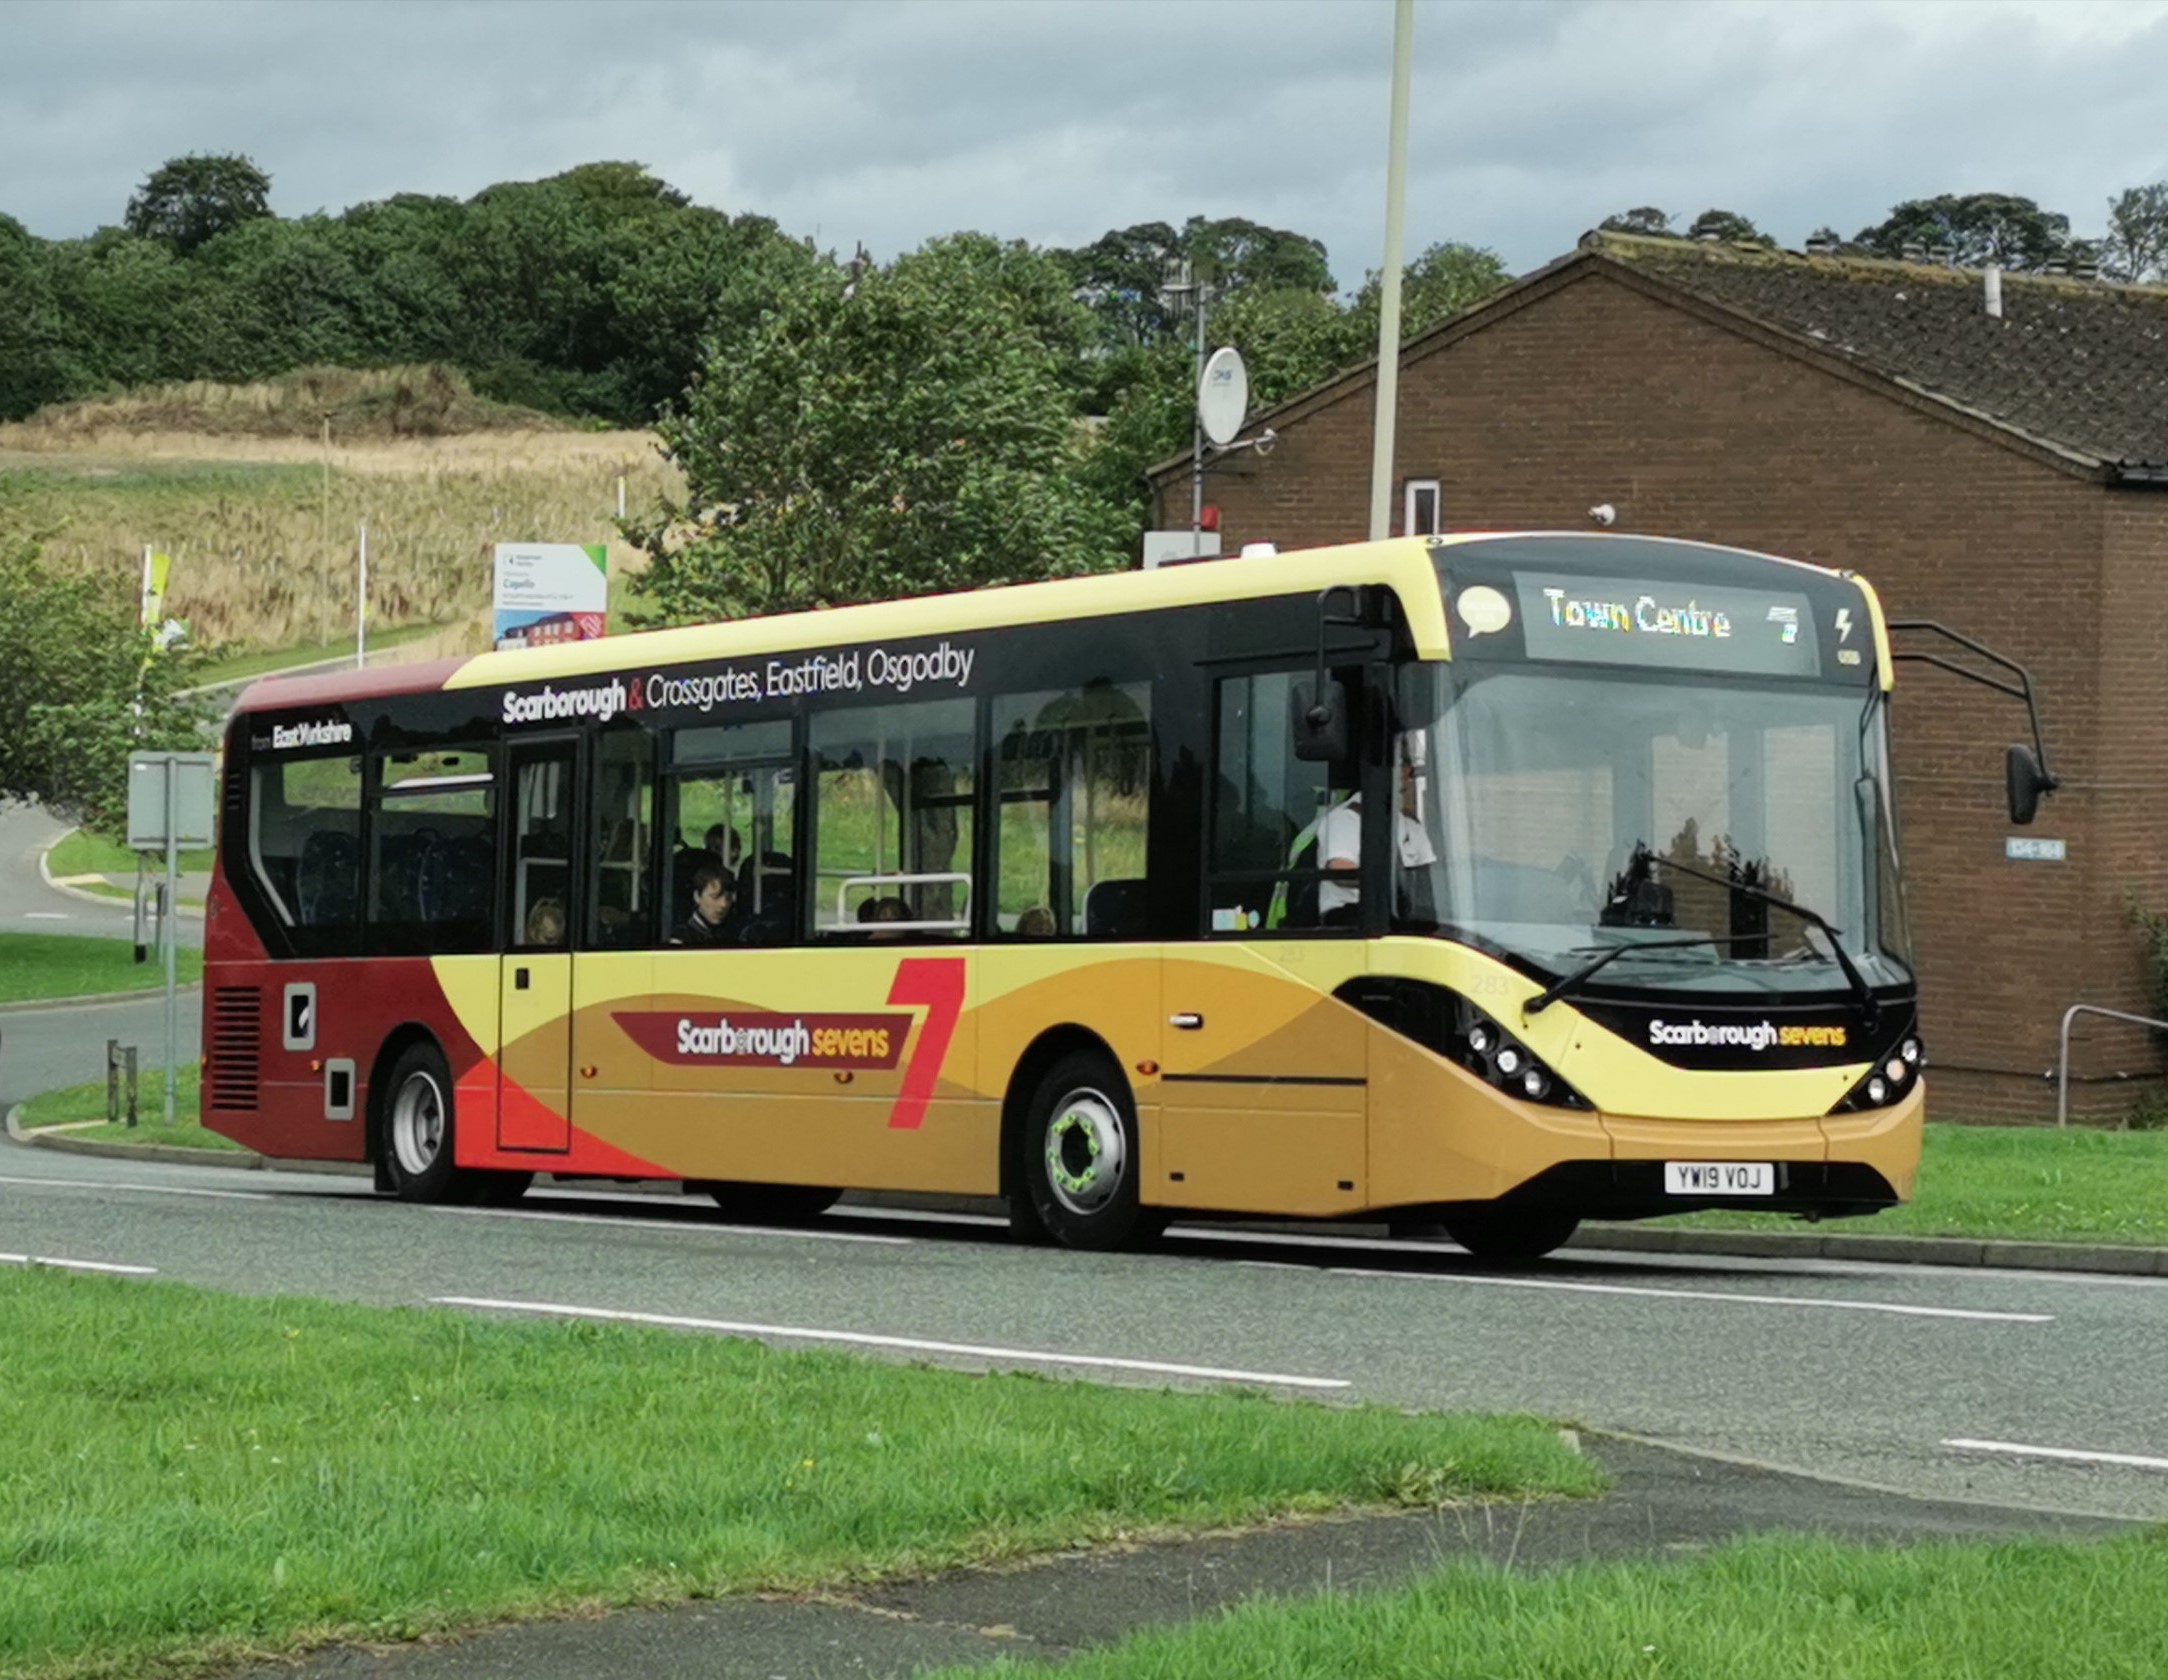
1073	803
541	849
305	846
1270	813
732	807
893	818
432	869
624	907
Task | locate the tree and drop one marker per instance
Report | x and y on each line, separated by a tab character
2137	244
73	666
191	200
1646	219
1444	280
893	432
1977	229
1724	224
1122	277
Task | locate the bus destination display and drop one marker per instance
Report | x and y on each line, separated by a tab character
1687	627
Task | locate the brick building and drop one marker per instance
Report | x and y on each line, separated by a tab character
2003	473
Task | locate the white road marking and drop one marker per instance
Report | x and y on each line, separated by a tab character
922	1216
140	1189
1725	1296
2134	1461
674	1225
76	1265
47	916
910	1344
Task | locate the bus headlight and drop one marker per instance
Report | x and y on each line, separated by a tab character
1888	1081
1502	1061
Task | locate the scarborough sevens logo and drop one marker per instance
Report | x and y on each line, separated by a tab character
748	1039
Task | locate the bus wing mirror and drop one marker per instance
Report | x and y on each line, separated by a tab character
2026	782
1317	716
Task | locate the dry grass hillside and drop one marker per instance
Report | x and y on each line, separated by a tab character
258	492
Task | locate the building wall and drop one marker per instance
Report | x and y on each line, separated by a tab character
1595	392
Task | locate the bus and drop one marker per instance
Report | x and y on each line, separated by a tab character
1495	882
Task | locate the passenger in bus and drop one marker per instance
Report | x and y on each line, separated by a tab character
724	843
1036	923
546	923
878	910
1339	844
712	898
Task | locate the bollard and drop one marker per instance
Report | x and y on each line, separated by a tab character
128	1056
112	1082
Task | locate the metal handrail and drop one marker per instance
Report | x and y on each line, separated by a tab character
2062	1055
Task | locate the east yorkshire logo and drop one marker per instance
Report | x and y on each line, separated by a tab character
331	732
1752	1035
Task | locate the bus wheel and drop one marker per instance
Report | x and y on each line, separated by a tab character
418	1128
1080	1157
1505	1237
769	1204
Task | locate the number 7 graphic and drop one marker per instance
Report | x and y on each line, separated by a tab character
938	984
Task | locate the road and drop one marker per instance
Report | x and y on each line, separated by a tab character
28	905
1866	1373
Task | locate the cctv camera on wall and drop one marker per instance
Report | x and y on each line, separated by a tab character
1603	513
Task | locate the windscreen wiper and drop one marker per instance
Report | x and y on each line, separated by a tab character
1870	1006
1560	987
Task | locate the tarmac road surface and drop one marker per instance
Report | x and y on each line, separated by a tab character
2014	1388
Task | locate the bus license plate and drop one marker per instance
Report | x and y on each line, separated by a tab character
1720	1178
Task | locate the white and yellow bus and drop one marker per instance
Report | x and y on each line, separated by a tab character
1492	881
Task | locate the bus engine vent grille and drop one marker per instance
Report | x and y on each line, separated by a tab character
236	1029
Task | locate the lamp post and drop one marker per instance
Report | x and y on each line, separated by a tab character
1396	192
1183	289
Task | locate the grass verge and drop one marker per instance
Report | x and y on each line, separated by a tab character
87	1102
1776	1608
37	966
2015	1183
263	662
187	1477
81	853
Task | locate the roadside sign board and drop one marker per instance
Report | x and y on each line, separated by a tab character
170	788
1166	548
551	592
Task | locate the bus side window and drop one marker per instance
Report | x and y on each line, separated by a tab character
732	804
1270	818
623	904
305	845
433	864
893	820
1073	802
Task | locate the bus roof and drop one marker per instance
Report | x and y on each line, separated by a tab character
1406	564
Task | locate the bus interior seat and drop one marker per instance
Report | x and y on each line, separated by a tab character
326	879
776	918
1117	909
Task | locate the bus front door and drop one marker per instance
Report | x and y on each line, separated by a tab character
534	1053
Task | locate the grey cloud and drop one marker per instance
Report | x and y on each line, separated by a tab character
1056	119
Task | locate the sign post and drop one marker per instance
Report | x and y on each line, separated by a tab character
171	804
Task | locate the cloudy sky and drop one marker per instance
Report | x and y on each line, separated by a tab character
889	121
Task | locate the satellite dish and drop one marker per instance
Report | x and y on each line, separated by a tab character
1223	395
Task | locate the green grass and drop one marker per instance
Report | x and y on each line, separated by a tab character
1776	1608
87	1102
57	965
2014	1183
187	1476
81	853
240	667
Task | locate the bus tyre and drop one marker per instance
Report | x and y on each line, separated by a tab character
417	1139
1080	1157
770	1204
1503	1238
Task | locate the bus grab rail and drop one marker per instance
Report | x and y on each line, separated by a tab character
948	878
2062	1054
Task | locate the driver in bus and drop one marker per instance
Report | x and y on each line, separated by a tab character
1340	835
713	892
